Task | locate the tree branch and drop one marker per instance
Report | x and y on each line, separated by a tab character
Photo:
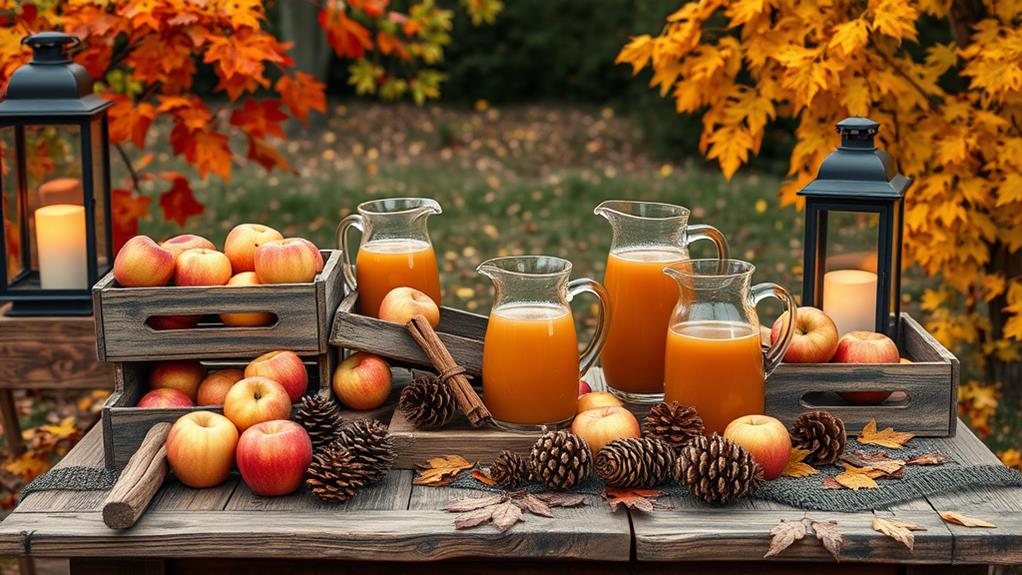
136	180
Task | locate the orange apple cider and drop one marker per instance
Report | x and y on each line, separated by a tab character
530	364
383	265
716	367
642	298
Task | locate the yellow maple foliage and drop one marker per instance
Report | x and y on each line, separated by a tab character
856	478
797	467
886	437
950	107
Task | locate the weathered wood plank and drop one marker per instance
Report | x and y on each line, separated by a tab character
390	494
88	453
50	353
413	446
176	497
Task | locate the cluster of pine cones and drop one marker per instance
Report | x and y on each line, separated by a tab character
673	446
346	456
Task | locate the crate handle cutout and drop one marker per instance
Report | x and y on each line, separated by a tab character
157	324
831	399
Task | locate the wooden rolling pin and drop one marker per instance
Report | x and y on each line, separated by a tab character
139	481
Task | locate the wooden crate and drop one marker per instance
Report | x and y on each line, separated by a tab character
304	312
124	425
460	331
925	398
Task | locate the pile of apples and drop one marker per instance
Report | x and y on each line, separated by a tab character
253	254
816	341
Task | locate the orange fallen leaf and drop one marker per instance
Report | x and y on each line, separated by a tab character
856	478
927	459
440	471
796	466
641	499
965	520
898	530
887	437
483	477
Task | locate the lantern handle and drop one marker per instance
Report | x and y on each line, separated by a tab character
54	38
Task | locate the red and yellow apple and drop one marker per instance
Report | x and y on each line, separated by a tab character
401	304
866	347
247	319
213	389
814	338
141	262
242	242
362	381
765	438
178	244
273	456
202	267
200	448
164	322
583	387
165	397
284	367
182	375
255	400
596	399
601	425
284	262
318	255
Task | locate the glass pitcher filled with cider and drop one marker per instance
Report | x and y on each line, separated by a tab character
395	250
648	236
531	364
713	359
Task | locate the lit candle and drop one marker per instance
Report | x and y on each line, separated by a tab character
850	299
60	241
60	191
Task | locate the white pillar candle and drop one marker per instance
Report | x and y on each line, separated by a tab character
850	299
60	241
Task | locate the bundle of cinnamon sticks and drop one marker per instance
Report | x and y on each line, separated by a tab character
450	372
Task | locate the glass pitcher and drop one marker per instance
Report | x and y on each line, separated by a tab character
395	250
714	360
647	237
531	364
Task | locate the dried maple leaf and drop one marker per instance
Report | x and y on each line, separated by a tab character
796	466
440	471
558	499
473	503
483	476
784	534
897	529
474	518
928	459
534	505
888	437
830	483
828	534
856	478
505	515
885	465
640	499
965	520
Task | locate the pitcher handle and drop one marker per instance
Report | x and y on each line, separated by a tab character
592	351
697	232
351	221
775	354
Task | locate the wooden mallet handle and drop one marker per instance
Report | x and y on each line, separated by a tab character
139	481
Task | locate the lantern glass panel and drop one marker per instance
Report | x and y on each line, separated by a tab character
98	184
11	205
850	269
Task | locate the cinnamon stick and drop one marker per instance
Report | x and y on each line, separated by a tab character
139	481
450	372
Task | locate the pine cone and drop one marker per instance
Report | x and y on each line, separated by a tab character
635	462
370	446
510	470
335	475
822	434
674	423
561	459
428	402
321	418
717	470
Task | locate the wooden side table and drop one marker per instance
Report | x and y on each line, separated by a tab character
45	353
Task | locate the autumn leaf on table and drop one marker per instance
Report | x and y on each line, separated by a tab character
503	510
885	465
784	534
440	471
965	520
562	499
828	534
897	529
640	499
533	504
796	464
856	478
887	437
928	459
483	476
830	483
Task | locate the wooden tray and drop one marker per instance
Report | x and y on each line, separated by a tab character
304	312
124	426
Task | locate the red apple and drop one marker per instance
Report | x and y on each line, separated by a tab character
362	381
163	322
401	304
583	387
315	252
202	267
273	456
183	242
183	375
165	397
242	242
866	347
596	399
255	400
765	438
213	389
601	425
142	263
285	261
200	448
246	319
814	339
284	367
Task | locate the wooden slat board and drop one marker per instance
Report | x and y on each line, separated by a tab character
50	353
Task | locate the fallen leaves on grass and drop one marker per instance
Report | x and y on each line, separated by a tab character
440	471
505	510
856	478
796	466
786	532
965	520
640	499
887	437
897	529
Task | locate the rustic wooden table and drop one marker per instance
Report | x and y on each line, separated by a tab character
225	529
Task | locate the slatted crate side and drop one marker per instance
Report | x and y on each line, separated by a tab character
925	401
304	313
460	331
124	425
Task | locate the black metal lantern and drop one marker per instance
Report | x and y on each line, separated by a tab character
55	183
854	216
